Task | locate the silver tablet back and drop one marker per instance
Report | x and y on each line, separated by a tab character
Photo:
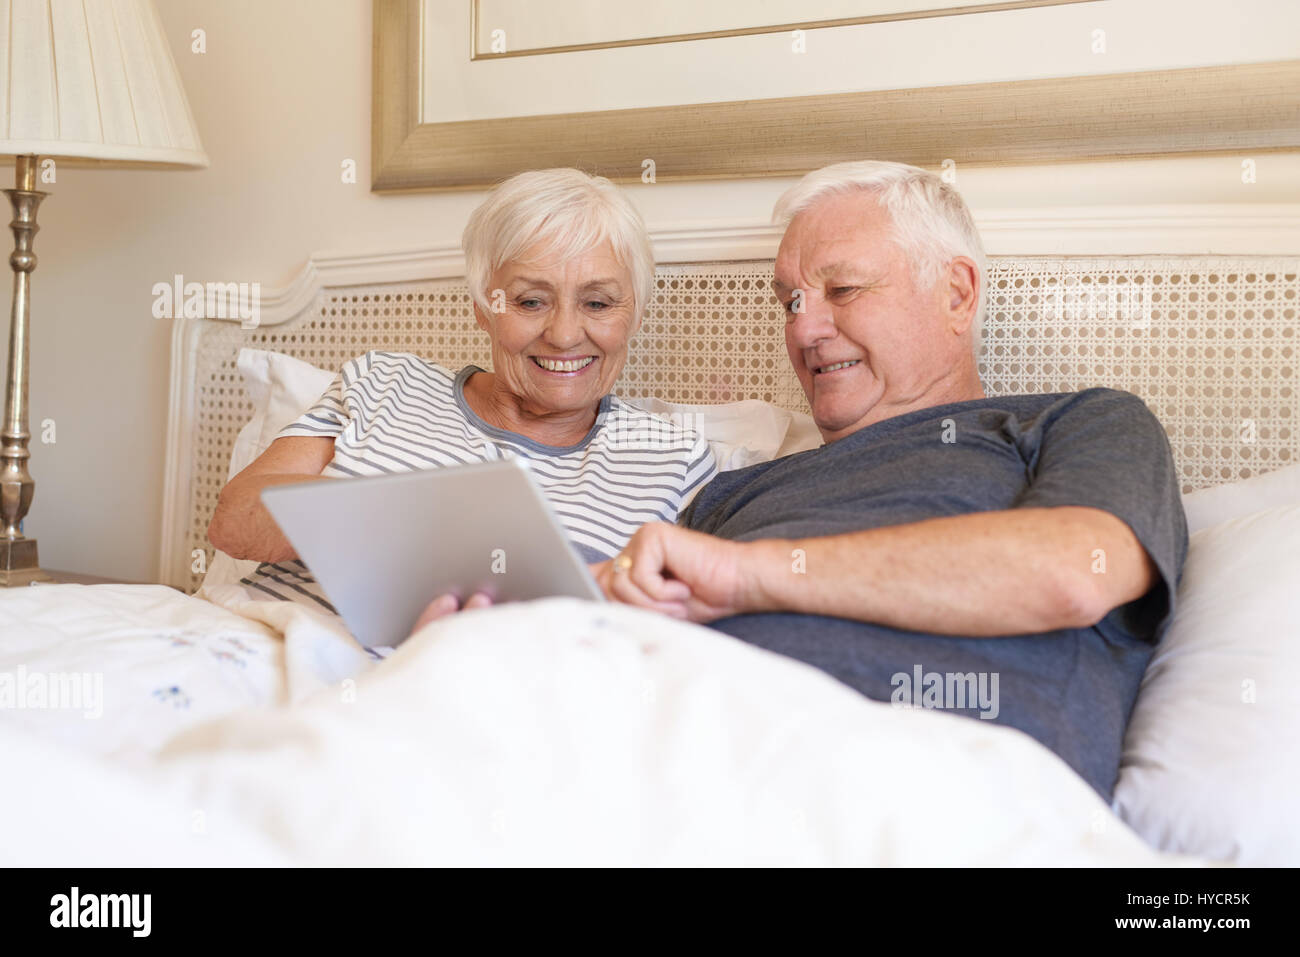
382	548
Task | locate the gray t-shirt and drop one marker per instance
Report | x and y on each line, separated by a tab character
1072	690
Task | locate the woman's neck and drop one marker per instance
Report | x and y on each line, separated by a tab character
503	409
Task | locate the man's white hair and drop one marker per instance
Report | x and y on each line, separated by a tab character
566	211
931	222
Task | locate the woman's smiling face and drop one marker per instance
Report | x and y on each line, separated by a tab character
560	330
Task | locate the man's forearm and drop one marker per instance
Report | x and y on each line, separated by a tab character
1020	571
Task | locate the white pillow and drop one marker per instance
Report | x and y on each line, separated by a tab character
741	433
1209	764
282	388
1210	506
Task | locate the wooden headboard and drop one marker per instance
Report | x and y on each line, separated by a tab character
1210	342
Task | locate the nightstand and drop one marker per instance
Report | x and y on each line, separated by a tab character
76	578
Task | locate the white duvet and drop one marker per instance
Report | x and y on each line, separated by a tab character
552	732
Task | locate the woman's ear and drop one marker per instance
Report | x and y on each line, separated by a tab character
482	320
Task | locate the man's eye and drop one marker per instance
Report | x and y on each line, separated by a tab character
843	290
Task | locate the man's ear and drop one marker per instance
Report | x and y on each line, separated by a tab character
962	287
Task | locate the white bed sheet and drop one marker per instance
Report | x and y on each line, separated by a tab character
553	732
162	660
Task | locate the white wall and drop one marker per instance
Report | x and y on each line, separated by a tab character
282	96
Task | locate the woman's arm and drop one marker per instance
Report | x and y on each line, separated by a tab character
241	526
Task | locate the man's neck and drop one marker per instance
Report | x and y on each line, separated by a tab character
959	385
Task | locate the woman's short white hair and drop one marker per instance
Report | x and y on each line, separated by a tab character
565	210
932	224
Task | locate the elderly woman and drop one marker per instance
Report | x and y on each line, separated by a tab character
560	271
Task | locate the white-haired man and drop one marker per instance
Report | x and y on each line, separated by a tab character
941	544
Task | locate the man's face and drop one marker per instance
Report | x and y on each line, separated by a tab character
865	344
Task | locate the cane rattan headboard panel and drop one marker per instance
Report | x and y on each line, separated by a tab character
1209	342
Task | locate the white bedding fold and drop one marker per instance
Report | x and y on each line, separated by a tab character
319	651
570	732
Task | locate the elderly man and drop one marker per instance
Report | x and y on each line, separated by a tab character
1012	558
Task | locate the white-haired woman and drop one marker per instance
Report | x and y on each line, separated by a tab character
560	271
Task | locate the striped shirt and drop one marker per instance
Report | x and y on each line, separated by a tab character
394	412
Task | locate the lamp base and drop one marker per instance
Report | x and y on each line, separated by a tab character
19	564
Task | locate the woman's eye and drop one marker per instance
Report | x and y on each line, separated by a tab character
530	303
842	290
597	305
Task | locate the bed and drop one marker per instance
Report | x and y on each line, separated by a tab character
185	723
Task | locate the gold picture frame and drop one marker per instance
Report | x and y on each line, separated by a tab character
1250	107
954	8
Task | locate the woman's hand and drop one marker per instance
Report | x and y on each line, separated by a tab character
449	604
681	573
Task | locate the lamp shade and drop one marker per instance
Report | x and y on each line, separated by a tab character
92	81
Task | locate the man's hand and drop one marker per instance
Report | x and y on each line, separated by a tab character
680	573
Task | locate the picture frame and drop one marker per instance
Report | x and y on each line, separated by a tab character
1251	107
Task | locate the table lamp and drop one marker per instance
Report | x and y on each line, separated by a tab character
89	83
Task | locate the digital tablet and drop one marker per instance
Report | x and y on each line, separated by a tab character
382	548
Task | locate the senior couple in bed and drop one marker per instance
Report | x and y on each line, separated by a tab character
941	543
